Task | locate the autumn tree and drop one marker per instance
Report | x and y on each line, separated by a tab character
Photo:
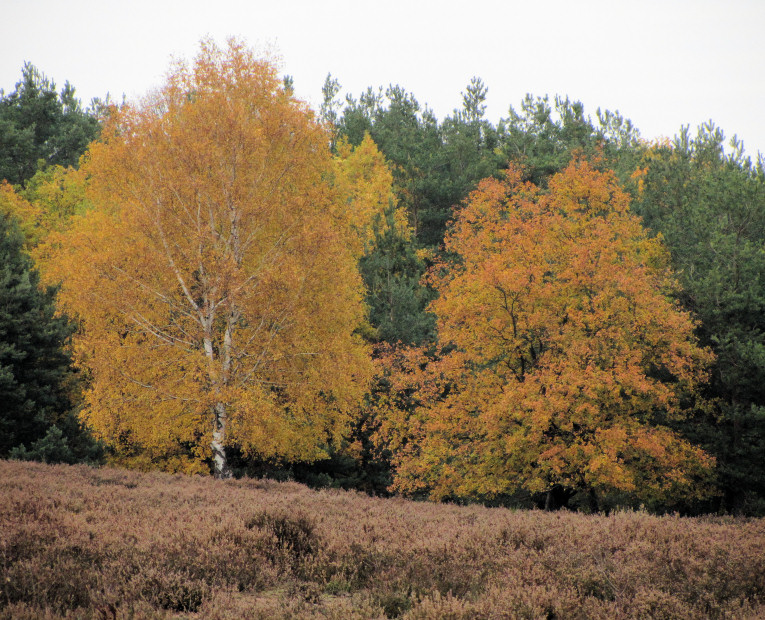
26	215
408	137
58	193
47	203
567	352
216	292
382	240
435	164
364	185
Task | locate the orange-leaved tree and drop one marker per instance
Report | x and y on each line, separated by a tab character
568	351
217	295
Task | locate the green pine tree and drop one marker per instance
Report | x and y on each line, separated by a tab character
709	207
397	300
35	368
40	126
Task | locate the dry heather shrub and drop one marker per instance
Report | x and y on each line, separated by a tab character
292	601
292	533
171	590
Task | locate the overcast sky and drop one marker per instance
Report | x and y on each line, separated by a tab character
662	64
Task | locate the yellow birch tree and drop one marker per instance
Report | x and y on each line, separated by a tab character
216	292
364	185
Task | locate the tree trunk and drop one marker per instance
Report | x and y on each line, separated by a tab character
221	469
557	497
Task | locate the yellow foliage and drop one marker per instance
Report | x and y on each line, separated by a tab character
217	299
364	184
29	216
47	203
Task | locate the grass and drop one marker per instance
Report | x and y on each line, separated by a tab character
79	542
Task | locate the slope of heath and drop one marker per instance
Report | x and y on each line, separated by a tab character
79	542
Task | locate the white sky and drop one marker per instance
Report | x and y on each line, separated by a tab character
661	63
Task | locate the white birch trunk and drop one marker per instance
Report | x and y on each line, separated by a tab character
221	468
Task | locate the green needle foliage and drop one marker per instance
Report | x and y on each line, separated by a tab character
39	125
34	367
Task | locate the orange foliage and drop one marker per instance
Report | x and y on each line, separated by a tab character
217	299
567	347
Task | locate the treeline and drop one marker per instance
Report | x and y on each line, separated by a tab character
523	338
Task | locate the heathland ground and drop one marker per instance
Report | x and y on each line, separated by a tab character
82	542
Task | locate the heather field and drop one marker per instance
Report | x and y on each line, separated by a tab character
79	542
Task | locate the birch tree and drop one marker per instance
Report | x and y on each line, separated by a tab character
216	293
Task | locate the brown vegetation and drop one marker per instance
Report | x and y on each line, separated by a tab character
79	542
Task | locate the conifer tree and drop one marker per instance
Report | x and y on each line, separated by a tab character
39	124
34	364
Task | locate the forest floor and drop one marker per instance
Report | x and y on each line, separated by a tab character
81	542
